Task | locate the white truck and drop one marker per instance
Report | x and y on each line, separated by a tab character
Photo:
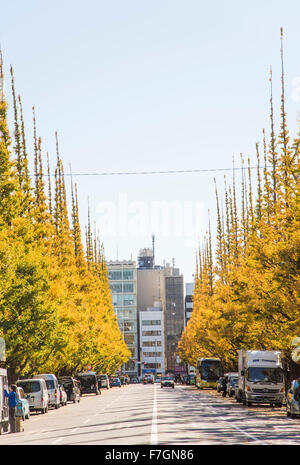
261	377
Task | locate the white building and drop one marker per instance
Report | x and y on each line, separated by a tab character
189	291
152	341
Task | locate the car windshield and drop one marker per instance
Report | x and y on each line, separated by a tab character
233	381
50	384
87	380
264	375
210	369
66	382
168	378
30	386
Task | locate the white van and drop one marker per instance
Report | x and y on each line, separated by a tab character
52	387
36	393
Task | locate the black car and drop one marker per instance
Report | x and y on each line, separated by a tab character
88	383
72	388
220	384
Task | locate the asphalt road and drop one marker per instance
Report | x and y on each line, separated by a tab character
138	414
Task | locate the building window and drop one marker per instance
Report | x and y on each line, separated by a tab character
128	275
117	300
128	287
129	338
128	325
116	287
151	333
151	322
152	365
152	354
128	299
115	275
130	365
151	343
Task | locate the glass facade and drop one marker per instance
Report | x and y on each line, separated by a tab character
122	282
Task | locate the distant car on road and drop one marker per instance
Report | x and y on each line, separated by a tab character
292	406
232	383
116	382
72	388
63	395
148	379
191	380
103	381
134	381
88	383
167	381
23	404
220	384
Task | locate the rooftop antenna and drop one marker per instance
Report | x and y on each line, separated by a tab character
153	240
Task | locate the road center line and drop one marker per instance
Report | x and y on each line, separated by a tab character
58	440
154	435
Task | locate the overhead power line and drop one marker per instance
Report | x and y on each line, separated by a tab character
135	173
131	173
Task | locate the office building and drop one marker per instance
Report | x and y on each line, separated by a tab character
174	320
123	285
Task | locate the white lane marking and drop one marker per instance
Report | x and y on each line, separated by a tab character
58	440
74	430
232	425
244	432
85	421
154	435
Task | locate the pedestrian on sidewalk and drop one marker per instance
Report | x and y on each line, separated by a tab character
224	385
12	404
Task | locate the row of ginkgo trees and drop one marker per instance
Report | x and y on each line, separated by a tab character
56	313
249	297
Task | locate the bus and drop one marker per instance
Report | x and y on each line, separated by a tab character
208	371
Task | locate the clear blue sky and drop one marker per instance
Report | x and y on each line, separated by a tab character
136	85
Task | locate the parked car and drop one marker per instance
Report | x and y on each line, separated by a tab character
103	381
167	381
63	395
116	382
23	404
35	391
233	379
292	406
237	391
72	388
191	380
88	383
134	381
52	387
148	379
220	384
